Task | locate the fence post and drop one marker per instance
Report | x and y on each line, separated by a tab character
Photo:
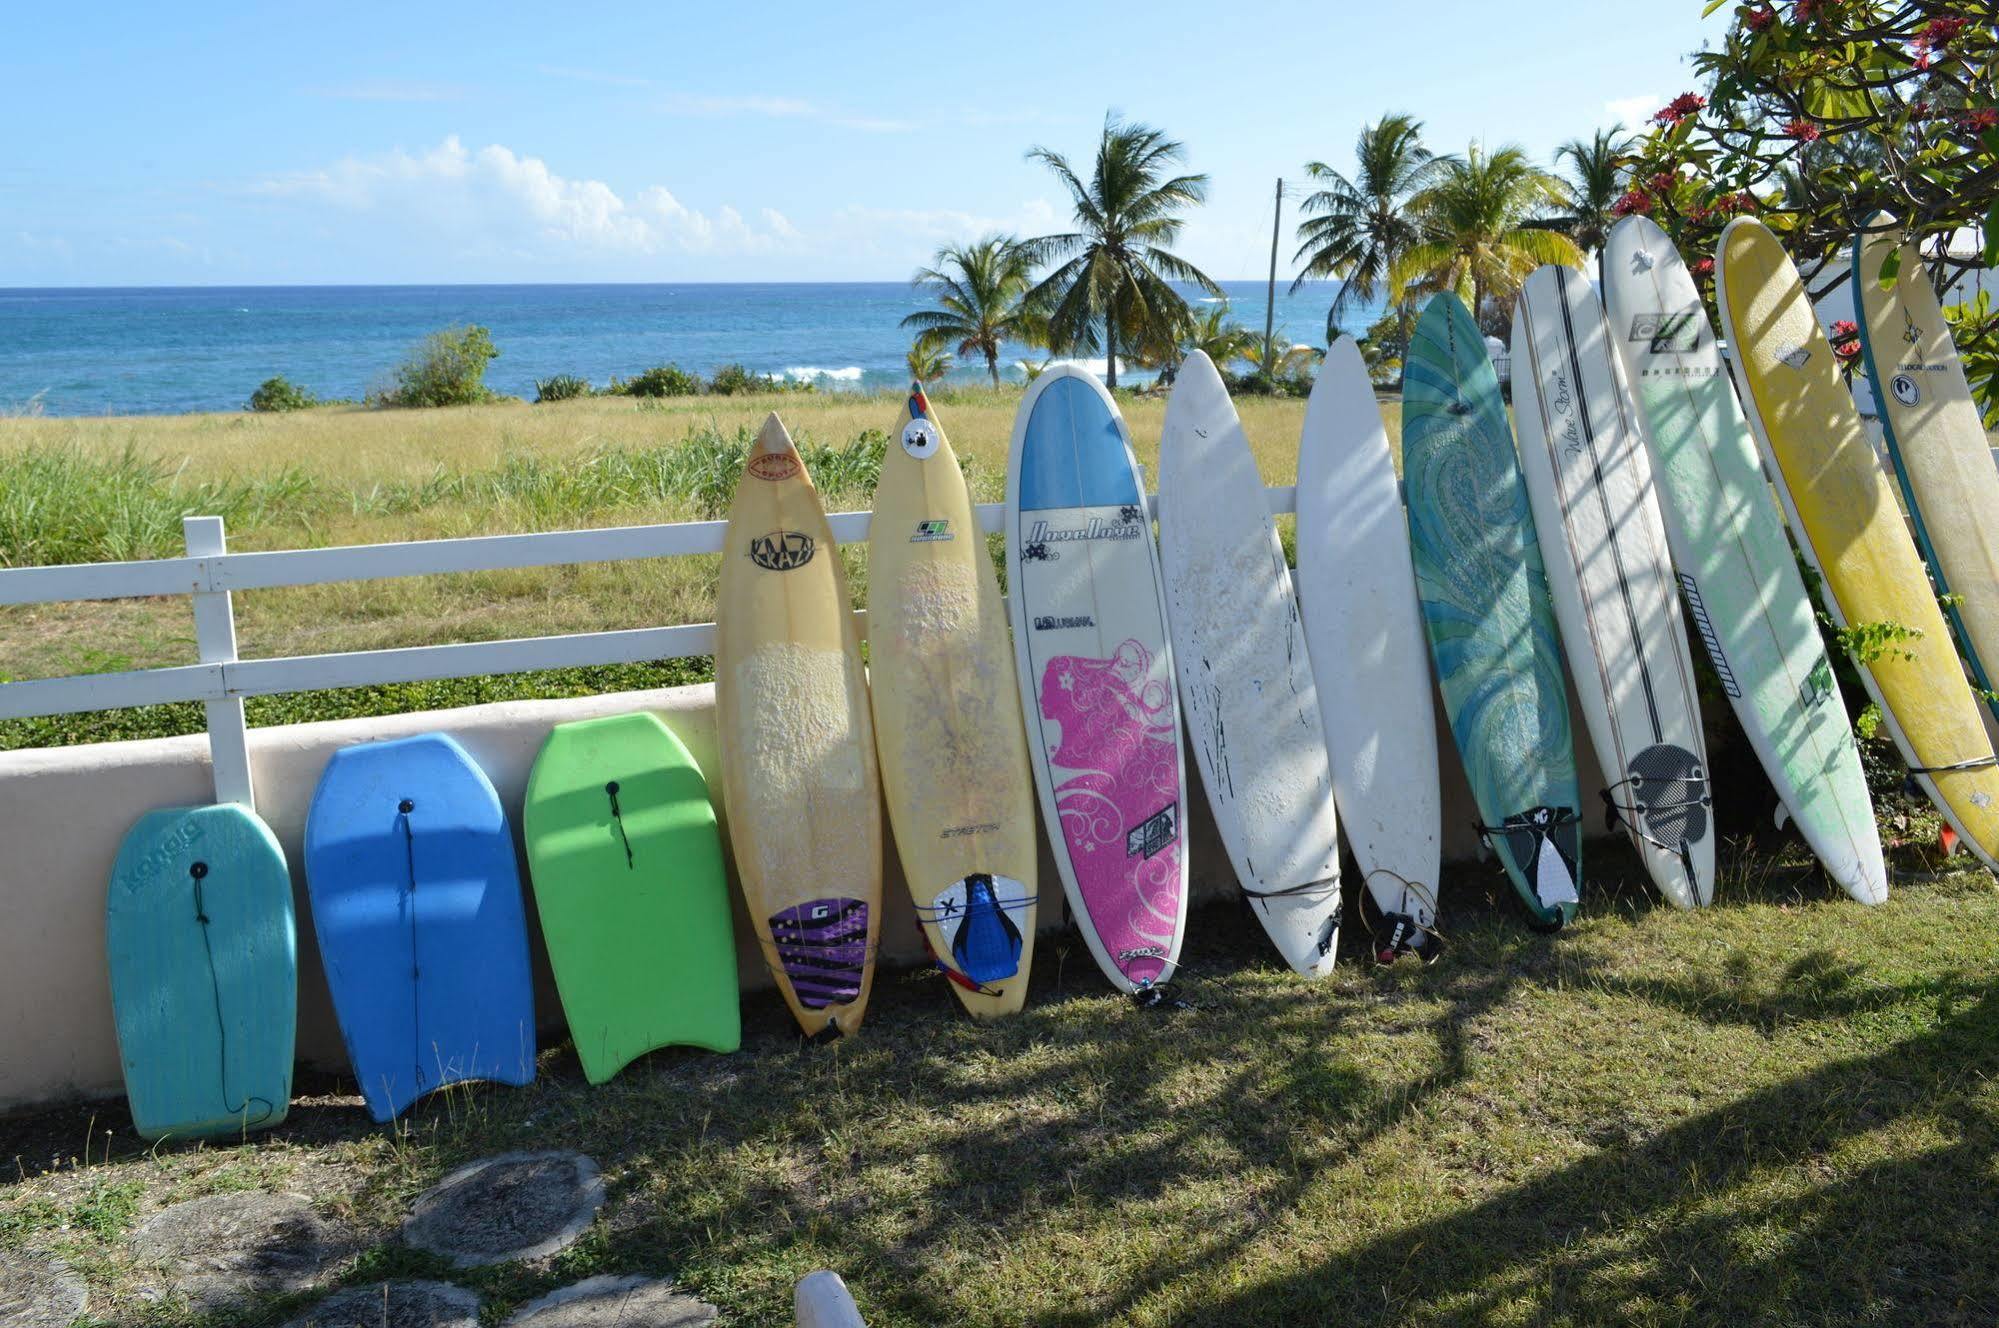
215	639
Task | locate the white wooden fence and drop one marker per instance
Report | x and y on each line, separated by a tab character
209	574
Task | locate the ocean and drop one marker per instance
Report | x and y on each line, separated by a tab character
154	350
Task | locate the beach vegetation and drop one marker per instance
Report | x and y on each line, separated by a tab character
1595	172
279	394
1481	228
662	380
977	292
1109	287
448	368
561	387
1357	230
1217	335
734	380
929	359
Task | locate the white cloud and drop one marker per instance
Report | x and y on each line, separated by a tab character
494	200
1633	112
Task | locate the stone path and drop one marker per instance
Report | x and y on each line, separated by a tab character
514	1206
226	1247
616	1302
37	1291
395	1305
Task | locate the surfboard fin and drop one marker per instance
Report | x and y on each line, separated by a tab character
1782	816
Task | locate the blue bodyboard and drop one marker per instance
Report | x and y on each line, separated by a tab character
416	898
203	953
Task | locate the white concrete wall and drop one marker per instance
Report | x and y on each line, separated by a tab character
64	810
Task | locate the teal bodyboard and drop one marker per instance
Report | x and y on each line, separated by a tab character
626	862
203	952
1487	611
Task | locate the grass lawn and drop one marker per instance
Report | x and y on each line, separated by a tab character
1782	1110
74	490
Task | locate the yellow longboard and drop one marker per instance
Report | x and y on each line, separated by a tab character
947	719
1936	440
1846	521
798	750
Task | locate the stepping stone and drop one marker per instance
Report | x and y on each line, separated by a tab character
229	1246
394	1305
616	1302
514	1206
37	1291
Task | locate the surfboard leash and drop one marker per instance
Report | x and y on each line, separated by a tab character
199	871
618	819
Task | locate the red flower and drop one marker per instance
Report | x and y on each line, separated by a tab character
1845	336
1977	121
1807	10
1636	200
1845	328
1662	183
1743	202
1757	20
1919	110
1939	33
1846	350
1802	130
1679	108
1704	268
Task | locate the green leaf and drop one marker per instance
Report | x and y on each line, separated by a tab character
1712	5
1991	255
1891	268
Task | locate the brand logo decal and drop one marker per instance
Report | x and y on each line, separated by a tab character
781	550
1098	529
1142	952
773	465
1795	356
931	532
1817	685
1155	833
1905	389
960	831
920	439
1665	333
164	856
1052	623
1910	332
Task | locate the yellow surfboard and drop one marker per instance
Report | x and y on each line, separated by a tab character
1936	440
798	750
1844	516
947	719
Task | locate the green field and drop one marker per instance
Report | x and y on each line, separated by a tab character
80	490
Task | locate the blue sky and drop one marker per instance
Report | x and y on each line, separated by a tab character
216	144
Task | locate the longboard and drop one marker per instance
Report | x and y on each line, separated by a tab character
626	863
798	750
1848	527
1357	591
1937	442
416	899
203	954
1096	675
1245	672
1744	597
1486	609
1610	576
947	719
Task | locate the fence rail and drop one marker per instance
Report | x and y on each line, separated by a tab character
208	574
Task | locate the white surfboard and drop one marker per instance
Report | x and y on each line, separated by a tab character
1245	672
1611	578
1357	590
1096	675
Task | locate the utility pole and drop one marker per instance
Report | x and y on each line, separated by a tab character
1270	292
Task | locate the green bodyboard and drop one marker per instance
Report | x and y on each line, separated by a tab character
628	878
203	953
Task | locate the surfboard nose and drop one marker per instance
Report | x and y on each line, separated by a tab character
773	439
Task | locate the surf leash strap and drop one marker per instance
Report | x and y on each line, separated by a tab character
1956	767
241	1110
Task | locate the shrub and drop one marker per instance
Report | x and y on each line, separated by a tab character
280	394
736	380
447	368
562	387
662	380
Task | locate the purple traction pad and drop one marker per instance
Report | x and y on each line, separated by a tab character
823	945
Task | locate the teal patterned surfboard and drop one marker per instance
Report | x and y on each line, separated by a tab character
203	953
1486	609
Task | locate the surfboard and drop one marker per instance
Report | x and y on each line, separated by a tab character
1357	592
1846	522
1486	609
1937	443
1744	598
1610	576
1246	686
798	748
947	716
1096	675
416	899
203	954
626	863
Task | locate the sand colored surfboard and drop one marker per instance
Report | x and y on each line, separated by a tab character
798	748
947	719
1844	516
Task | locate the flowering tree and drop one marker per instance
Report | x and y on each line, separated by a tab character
1818	114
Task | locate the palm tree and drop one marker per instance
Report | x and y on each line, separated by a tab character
1110	284
1356	229
1480	227
930	359
1597	169
1224	339
978	289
